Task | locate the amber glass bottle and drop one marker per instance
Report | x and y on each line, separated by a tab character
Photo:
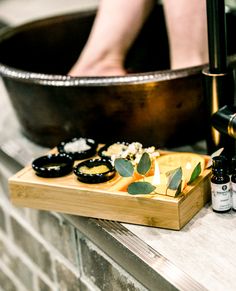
220	185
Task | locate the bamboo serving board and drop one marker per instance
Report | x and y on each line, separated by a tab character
109	200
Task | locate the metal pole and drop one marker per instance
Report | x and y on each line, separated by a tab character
217	43
218	77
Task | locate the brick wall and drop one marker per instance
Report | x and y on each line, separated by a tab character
41	250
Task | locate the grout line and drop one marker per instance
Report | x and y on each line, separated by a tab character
51	249
17	283
15	250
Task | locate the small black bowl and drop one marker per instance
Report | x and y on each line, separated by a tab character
51	166
96	177
76	153
102	150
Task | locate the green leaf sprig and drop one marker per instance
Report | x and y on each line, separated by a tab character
174	180
196	172
175	177
126	169
140	188
144	164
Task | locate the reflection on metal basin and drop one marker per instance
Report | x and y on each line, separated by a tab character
153	105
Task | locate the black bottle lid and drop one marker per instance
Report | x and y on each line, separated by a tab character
220	165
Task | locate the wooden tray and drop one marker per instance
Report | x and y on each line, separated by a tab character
109	200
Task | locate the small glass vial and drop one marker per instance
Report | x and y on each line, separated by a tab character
233	183
220	185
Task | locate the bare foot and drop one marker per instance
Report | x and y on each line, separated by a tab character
97	69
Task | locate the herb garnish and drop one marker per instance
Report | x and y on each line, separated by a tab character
126	169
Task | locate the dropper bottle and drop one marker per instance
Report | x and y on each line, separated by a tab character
220	185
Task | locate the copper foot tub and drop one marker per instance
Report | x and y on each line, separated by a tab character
152	105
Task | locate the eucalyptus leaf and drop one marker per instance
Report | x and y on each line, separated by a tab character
170	172
140	188
144	164
174	178
196	172
124	167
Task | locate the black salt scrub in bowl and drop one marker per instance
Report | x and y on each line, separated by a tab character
94	171
53	165
78	148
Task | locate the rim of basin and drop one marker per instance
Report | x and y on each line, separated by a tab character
66	80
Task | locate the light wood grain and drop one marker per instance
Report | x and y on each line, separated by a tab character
108	200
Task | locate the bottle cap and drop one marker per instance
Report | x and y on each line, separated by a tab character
220	163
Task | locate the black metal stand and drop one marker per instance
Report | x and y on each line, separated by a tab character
218	79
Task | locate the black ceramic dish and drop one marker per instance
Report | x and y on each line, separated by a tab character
102	151
51	166
93	178
74	148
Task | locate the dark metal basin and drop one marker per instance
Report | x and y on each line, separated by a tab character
153	105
